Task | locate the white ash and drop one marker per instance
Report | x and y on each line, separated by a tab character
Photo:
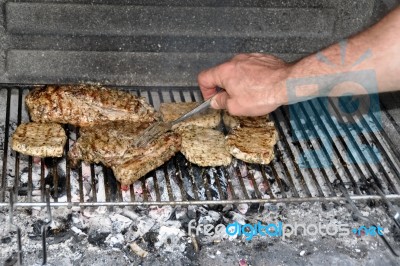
120	223
168	225
170	238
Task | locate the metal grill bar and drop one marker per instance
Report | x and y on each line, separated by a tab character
178	182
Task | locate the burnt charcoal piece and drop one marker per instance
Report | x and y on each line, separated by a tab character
6	240
286	188
60	190
37	230
97	238
51	162
150	238
396	233
12	260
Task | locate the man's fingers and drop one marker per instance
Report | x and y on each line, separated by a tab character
220	100
208	82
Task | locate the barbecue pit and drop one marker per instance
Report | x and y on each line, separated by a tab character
49	206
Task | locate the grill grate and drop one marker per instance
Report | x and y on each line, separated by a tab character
178	182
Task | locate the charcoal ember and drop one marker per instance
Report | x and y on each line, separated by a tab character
211	217
181	213
140	227
78	233
396	233
60	190
243	208
192	212
6	240
227	208
150	238
37	229
161	214
237	217
97	238
120	223
100	227
170	239
115	241
12	260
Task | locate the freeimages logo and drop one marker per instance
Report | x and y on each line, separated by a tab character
345	115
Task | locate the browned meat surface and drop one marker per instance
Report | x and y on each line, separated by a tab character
39	139
172	111
85	105
204	146
112	145
253	145
246	121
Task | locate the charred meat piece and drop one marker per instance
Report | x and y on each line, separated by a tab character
85	105
147	159
204	146
172	111
39	139
253	145
112	145
232	122
106	143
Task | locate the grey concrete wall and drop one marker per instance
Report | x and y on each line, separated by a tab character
163	43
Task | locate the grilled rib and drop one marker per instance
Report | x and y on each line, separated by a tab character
85	105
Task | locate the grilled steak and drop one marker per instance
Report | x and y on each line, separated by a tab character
204	146
112	145
106	143
252	145
246	121
39	139
160	151
85	105
171	111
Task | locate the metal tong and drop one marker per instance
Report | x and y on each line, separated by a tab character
157	129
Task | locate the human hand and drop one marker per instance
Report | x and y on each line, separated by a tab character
254	84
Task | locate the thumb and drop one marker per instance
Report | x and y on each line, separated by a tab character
219	101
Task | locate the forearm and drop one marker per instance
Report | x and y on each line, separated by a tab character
381	42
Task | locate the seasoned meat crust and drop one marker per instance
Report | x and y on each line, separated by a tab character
231	121
204	146
85	105
39	139
253	145
112	145
148	159
172	111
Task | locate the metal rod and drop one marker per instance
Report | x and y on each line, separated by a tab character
336	150
11	224
391	197
30	186
5	148
266	182
301	150
67	167
283	140
17	154
356	146
359	215
394	211
44	226
93	181
379	144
